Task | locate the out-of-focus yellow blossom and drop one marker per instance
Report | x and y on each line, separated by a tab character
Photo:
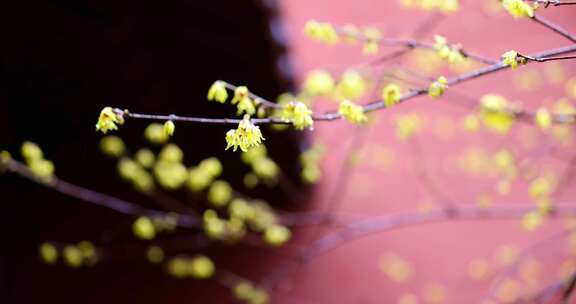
31	151
145	158
277	235
214	227
250	180
543	118
245	137
218	92
171	153
352	85
201	267
169	128
178	267
211	166
219	193
471	123
532	220
541	187
155	254
450	53
512	59
391	94
108	120
112	146
478	269
299	114
321	31
72	256
48	253
265	168
444	6
254	154
518	8
169	174
143	228
352	112
241	209
407	125
42	168
243	290
437	88
408	299
318	82
395	267
154	133
496	113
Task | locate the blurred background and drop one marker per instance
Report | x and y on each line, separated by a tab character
62	61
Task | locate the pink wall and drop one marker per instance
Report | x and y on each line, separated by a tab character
438	253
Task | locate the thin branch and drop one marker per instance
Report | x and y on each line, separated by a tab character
372	106
554	27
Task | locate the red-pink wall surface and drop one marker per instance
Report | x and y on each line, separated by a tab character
388	175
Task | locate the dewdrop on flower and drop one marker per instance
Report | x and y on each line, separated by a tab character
512	59
391	95
108	120
519	8
437	88
352	112
218	92
298	114
246	136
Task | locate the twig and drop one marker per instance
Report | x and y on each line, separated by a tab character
545	22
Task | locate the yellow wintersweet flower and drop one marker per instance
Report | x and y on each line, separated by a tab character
246	136
518	8
532	220
31	151
437	88
391	95
451	53
108	119
218	92
512	59
245	104
352	112
496	113
299	114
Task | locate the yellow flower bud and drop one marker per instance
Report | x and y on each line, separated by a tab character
391	95
218	92
31	151
353	113
518	8
169	128
437	88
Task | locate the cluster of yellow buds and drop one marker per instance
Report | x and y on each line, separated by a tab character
437	88
352	112
452	53
245	137
34	157
519	8
444	6
248	293
73	255
391	95
198	267
512	59
299	114
321	31
108	120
